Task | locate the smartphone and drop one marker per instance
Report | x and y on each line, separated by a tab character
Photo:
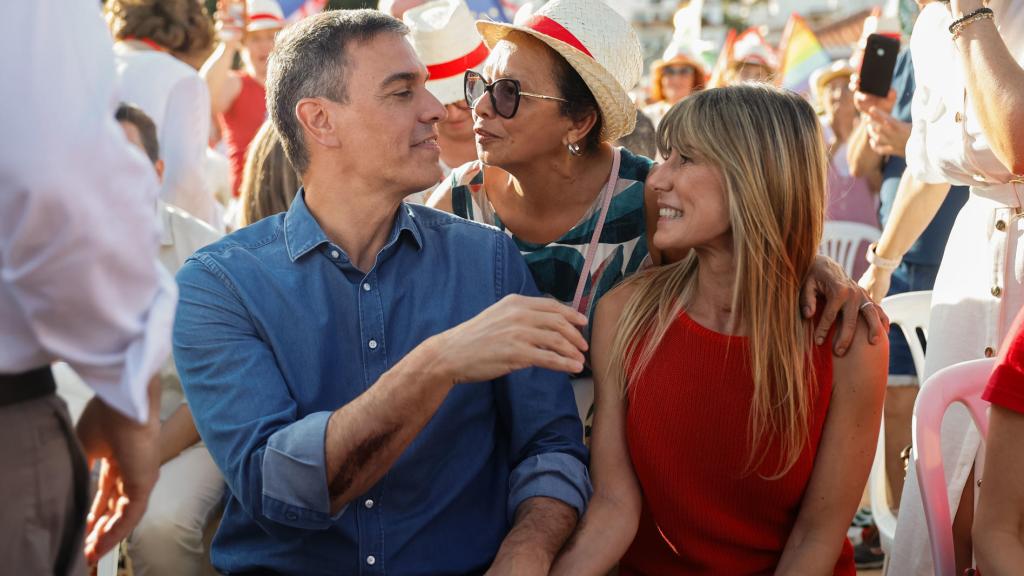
878	65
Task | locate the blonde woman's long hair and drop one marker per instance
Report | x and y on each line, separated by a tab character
767	143
269	182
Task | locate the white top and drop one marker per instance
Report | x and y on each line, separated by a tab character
174	95
180	236
941	149
79	277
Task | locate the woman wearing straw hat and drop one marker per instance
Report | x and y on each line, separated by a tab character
677	75
550	98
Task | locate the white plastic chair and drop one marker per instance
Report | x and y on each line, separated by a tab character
844	242
910	311
963	383
108	563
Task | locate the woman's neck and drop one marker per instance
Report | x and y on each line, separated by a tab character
712	302
549	185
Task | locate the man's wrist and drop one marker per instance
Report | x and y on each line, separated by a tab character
430	360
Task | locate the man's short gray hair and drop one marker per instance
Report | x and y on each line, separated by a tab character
309	61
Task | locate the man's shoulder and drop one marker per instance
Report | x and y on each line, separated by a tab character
255	238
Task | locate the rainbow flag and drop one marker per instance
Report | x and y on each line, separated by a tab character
802	54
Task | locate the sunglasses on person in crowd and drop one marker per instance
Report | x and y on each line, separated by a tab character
677	70
504	92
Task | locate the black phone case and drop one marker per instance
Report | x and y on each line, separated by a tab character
879	62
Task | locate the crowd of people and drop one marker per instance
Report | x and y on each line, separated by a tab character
447	296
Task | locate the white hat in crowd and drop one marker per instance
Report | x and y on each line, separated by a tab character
752	48
264	15
446	40
598	43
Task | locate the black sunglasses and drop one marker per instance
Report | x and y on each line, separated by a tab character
504	92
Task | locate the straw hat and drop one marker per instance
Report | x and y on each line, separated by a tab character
598	43
443	34
264	15
822	76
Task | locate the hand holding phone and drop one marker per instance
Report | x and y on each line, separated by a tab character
232	18
878	65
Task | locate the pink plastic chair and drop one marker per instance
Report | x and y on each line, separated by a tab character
962	383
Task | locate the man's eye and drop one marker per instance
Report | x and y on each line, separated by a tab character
404	94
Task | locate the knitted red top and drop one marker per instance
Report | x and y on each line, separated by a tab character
687	424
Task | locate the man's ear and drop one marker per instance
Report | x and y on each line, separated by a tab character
318	121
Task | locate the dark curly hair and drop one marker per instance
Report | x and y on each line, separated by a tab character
181	26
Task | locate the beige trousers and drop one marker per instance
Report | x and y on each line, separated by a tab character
45	488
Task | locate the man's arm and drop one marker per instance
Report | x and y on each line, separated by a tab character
302	471
542	526
549	485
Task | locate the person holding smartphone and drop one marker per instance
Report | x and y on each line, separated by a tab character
968	129
238	97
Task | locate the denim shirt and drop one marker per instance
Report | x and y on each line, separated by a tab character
276	329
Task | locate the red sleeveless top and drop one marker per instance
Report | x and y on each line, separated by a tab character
241	123
687	424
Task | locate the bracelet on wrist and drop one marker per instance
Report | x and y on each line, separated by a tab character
957	27
879	262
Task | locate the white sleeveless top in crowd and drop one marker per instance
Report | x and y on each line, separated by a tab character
980	285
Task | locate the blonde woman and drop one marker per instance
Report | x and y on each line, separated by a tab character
725	440
269	182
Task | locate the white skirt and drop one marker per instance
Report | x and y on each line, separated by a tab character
978	292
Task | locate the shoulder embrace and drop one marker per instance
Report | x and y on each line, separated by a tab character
863	360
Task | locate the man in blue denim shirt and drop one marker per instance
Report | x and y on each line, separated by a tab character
379	383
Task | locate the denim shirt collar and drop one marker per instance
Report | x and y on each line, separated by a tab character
302	233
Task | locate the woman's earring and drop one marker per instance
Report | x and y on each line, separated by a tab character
574	149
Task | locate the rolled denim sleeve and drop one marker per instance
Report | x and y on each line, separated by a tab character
552	475
538	410
294	474
272	456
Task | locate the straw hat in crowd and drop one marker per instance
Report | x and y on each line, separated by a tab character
598	43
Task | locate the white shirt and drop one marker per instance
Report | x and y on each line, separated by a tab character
947	143
174	95
79	277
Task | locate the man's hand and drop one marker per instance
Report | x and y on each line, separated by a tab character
518	332
827	279
887	135
129	456
876	282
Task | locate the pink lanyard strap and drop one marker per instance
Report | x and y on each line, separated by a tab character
609	191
